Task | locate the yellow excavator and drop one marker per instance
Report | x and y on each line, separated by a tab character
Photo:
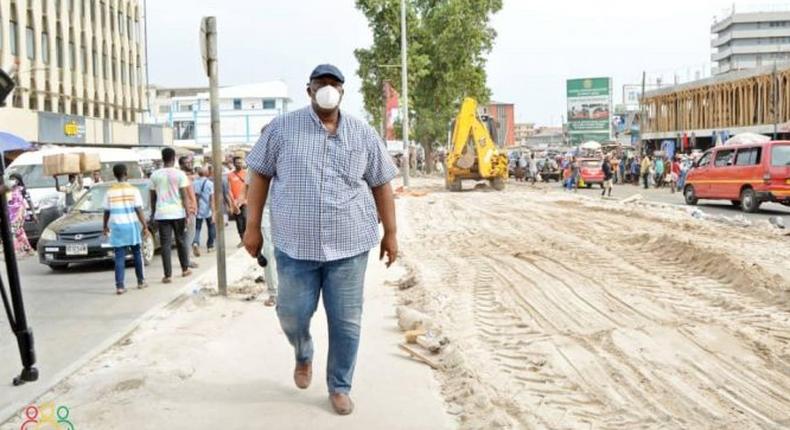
472	153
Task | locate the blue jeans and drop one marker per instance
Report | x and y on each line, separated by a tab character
341	282
571	183
120	264
212	231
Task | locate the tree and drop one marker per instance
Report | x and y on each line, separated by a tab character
448	42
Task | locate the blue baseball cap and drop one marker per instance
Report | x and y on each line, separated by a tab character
327	70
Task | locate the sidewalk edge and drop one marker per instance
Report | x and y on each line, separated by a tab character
9	412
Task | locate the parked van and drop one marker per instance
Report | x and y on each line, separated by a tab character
48	202
747	175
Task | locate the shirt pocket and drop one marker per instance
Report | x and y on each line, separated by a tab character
348	162
356	160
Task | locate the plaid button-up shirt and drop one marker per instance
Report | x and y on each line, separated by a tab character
321	201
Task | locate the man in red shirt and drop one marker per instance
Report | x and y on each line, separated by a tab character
237	181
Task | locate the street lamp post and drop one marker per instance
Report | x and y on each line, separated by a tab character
404	48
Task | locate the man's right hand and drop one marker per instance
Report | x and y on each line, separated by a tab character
253	241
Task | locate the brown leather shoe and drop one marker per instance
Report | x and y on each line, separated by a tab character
341	403
303	374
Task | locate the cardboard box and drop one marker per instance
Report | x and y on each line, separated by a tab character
61	164
89	162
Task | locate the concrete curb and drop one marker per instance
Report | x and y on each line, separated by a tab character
8	413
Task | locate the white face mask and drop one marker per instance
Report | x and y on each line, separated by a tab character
327	97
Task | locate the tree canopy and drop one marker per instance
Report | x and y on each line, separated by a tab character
448	43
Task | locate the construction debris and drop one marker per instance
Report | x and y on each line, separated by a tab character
411	319
418	356
633	199
411	335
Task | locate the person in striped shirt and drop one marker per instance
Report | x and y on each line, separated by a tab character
124	220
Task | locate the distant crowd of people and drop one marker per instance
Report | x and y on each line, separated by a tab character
658	171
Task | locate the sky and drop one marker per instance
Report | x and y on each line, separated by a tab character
539	45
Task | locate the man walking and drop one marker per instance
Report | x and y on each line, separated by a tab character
659	169
573	174
330	182
608	176
203	188
169	200
623	168
645	170
185	164
238	192
123	210
533	168
674	174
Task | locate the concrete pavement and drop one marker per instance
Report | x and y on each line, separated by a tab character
212	362
74	312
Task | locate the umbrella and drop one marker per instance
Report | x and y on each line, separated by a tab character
747	138
590	144
10	142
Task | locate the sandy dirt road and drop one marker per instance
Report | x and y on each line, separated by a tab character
567	312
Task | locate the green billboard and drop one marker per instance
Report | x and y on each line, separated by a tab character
589	109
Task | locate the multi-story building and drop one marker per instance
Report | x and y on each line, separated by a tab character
522	131
744	40
76	62
546	138
244	110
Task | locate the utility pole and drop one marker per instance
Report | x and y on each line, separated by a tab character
383	110
642	119
208	44
147	81
404	49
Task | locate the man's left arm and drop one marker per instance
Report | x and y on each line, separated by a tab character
385	205
378	173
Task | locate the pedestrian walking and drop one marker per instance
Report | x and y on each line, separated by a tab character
645	170
675	174
608	176
19	206
124	221
623	169
203	188
659	169
521	170
238	191
228	206
330	176
186	166
533	168
573	174
169	200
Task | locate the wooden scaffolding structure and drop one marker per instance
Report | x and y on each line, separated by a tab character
738	99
